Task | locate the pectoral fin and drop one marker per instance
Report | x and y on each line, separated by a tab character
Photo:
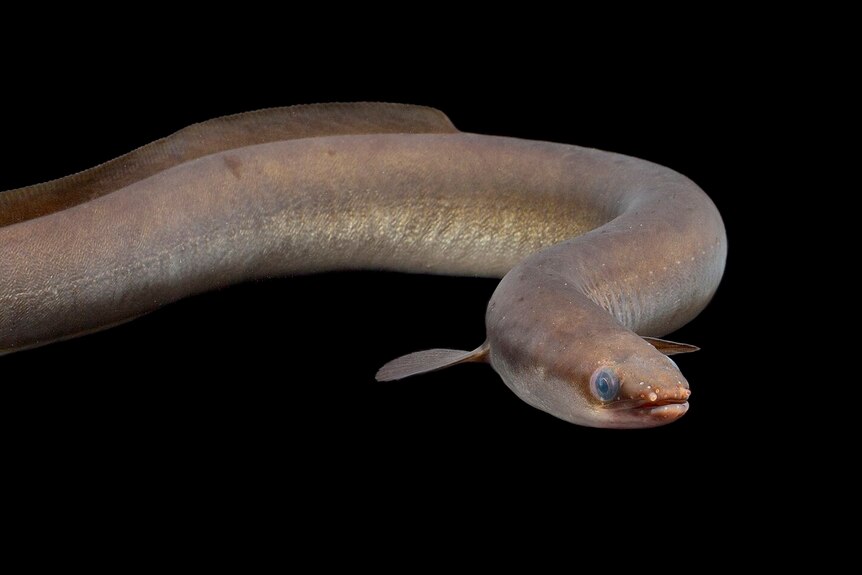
429	360
670	347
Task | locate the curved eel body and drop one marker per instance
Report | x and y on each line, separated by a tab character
596	250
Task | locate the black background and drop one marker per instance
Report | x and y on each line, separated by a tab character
237	394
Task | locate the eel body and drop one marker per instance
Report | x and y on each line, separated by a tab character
599	253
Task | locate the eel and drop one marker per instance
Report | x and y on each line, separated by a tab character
600	254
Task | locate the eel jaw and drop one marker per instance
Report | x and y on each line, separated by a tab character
645	413
664	412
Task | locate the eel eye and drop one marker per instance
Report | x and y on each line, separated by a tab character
604	384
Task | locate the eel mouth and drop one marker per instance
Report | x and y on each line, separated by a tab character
660	403
666	408
645	403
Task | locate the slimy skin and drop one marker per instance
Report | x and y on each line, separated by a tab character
596	250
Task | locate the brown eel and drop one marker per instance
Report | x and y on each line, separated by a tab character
600	253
